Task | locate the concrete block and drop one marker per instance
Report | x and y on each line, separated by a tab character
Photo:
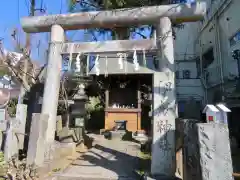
66	135
215	153
21	117
59	126
36	144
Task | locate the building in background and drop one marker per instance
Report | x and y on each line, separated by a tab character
205	69
215	39
210	44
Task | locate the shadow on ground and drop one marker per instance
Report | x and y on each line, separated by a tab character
109	159
117	163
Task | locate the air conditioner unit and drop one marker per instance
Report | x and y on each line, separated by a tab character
232	76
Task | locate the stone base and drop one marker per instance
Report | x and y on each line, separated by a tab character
58	150
102	131
117	135
111	135
66	149
62	155
67	135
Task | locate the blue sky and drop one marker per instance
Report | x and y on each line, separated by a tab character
12	10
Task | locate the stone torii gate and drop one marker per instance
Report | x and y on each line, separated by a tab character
164	103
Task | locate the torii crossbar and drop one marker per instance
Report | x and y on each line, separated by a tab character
164	95
115	18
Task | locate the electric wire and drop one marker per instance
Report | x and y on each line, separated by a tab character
27	6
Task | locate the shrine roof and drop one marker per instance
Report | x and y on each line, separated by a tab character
211	107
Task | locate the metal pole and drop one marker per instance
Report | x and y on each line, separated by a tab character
238	63
236	56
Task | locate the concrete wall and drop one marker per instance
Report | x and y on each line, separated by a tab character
185	40
188	87
229	25
216	32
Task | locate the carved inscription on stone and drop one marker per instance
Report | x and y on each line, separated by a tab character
215	154
163	126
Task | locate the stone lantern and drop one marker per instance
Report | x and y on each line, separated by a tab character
78	108
78	113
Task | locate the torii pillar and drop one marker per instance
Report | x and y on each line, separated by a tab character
164	94
164	102
52	82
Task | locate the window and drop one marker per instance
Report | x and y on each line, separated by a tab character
177	74
155	62
178	1
198	66
181	107
213	1
186	74
236	38
207	58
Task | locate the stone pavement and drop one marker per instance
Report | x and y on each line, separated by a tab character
107	160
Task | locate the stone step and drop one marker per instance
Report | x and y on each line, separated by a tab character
105	178
64	176
117	135
88	177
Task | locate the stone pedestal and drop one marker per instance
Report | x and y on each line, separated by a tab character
215	153
66	135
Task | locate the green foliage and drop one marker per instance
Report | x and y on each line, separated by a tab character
1	156
61	109
3	71
12	106
113	4
2	165
94	104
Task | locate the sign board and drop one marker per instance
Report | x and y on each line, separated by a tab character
79	122
2	114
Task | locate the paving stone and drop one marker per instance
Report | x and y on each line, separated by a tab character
106	160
